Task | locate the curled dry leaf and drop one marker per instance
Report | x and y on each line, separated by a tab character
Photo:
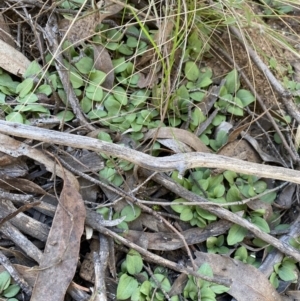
180	135
285	198
10	183
264	156
12	60
248	283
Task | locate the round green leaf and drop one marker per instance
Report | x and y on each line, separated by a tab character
245	96
131	212
44	89
15	117
104	137
120	95
197	96
97	114
236	234
85	65
146	288
205	82
178	208
86	104
260	223
33	69
94	92
191	71
162	280
230	176
76	80
287	274
30	98
11	291
233	194
205	214
260	186
206	270
97	77
4	281
241	253
112	105
126	286
236	110
25	87
232	83
124	49
134	262
65	116
32	108
119	65
186	214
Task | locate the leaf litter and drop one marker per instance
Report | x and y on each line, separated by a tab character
233	210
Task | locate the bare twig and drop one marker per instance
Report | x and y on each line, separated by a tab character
63	72
180	162
15	275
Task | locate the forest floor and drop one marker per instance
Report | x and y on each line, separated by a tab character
149	151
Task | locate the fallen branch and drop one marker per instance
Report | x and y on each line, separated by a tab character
180	162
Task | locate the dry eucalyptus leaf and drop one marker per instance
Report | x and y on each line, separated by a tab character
248	283
80	30
285	198
60	258
83	28
103	62
12	60
179	135
264	156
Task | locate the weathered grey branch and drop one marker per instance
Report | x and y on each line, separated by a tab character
180	162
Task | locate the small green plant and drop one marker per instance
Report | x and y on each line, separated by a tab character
8	289
207	290
285	270
228	187
272	7
136	285
242	254
215	245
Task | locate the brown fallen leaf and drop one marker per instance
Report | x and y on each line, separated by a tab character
60	256
103	62
83	28
264	156
178	135
12	60
248	283
10	183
